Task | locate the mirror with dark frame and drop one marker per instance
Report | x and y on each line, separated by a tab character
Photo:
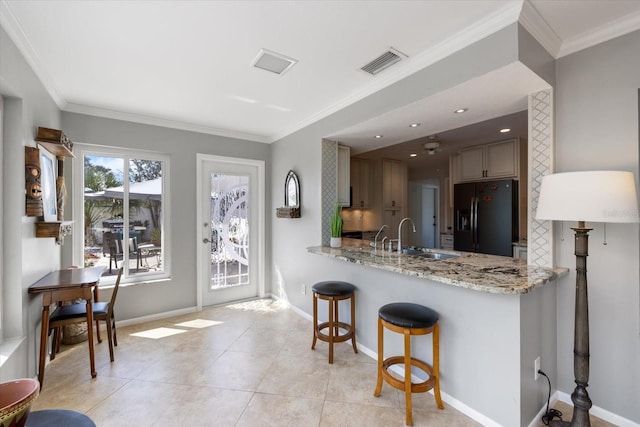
292	190
291	207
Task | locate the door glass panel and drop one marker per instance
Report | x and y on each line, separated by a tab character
229	231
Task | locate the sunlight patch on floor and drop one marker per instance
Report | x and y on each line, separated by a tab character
260	305
199	323
158	333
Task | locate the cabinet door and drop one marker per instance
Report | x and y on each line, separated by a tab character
392	218
501	159
471	164
393	184
360	178
344	179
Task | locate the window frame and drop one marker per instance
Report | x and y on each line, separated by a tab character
81	150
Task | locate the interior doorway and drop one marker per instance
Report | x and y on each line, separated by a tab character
425	211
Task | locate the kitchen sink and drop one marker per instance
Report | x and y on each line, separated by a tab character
428	254
436	255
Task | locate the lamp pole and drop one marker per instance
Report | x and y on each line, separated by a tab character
580	396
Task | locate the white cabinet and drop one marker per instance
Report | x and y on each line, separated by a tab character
360	183
446	241
392	218
344	178
489	161
394	184
520	252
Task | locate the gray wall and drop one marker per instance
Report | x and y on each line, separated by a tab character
180	291
497	387
597	128
25	257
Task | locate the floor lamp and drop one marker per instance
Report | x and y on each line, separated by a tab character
594	196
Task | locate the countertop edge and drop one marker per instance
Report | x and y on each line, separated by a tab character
541	275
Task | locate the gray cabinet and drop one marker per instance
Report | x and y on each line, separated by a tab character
360	183
489	161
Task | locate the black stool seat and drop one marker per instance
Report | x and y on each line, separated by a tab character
58	417
408	315
333	288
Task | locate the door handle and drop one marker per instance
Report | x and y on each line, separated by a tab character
205	240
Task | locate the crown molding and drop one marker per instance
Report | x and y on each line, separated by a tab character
535	24
156	121
603	33
10	24
498	20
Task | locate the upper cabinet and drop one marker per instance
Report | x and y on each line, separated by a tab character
360	183
394	184
344	178
489	161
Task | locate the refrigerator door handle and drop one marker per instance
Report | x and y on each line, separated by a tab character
475	223
472	223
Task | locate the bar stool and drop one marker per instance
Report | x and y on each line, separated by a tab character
59	417
332	292
409	319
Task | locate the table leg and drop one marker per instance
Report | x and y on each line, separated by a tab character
90	336
44	333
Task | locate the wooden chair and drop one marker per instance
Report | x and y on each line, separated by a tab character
74	313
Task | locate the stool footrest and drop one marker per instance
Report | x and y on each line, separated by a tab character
336	338
399	384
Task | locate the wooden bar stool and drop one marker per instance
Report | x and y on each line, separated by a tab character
332	292
409	319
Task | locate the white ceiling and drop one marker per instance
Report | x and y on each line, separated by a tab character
187	64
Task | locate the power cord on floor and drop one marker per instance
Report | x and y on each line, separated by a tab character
551	413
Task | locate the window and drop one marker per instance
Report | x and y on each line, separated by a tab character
121	220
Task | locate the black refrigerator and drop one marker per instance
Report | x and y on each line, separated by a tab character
486	217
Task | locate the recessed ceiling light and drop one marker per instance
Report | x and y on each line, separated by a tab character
505	130
378	136
414	125
413	155
461	110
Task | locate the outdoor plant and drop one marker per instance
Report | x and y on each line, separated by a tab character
336	221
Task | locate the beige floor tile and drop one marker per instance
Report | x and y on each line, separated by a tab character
252	367
272	410
355	383
296	377
357	415
205	406
236	370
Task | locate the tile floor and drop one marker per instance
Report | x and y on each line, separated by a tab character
246	364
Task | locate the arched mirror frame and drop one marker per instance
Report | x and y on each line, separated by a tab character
291	207
292	190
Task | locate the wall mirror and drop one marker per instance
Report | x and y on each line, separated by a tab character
291	207
292	190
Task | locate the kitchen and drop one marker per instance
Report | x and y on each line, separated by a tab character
434	173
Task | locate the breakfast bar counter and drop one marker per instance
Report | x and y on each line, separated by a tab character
497	315
480	272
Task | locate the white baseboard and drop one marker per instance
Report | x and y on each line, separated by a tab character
595	411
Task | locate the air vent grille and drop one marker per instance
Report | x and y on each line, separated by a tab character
273	62
384	61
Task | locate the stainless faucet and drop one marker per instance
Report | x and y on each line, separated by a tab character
375	239
400	232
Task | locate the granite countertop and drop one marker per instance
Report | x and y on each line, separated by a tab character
479	272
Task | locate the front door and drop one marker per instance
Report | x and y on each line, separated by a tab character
230	231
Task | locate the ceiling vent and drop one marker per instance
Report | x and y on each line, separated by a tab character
273	62
384	61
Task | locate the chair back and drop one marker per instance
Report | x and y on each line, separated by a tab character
112	301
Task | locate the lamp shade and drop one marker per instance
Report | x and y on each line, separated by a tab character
594	196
